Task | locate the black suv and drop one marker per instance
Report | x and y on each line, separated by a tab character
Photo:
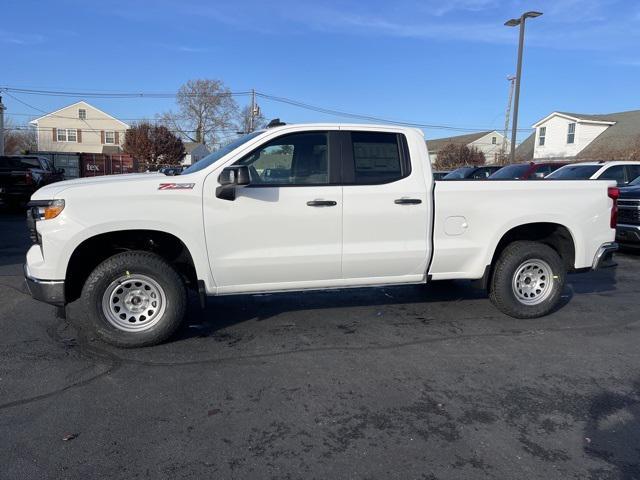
628	229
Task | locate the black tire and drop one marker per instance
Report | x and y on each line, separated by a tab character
129	265
502	291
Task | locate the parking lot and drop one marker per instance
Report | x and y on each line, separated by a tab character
424	382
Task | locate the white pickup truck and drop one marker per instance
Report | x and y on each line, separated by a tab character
300	207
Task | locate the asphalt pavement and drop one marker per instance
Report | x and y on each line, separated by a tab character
420	382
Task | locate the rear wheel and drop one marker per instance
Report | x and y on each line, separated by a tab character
134	299
527	280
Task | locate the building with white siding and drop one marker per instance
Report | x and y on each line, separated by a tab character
79	128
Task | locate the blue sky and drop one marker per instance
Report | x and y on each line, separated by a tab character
434	62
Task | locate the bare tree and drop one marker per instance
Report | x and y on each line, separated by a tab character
455	155
153	144
244	120
204	108
19	139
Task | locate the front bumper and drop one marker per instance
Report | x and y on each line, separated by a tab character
48	291
628	233
604	256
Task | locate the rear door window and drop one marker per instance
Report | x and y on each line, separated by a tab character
614	173
378	157
633	172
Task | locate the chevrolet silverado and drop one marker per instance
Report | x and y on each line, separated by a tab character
299	207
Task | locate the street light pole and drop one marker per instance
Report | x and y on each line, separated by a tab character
1	127
516	100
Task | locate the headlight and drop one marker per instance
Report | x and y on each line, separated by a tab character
46	209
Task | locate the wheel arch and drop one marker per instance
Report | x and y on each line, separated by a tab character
92	251
555	235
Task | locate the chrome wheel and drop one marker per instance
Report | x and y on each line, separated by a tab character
533	282
134	303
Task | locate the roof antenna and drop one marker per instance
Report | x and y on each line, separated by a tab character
275	123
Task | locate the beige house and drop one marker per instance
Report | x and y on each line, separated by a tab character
80	128
489	142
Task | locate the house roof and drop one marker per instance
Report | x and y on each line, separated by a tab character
579	117
81	102
191	146
524	151
617	140
437	144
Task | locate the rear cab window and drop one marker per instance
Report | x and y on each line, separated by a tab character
373	158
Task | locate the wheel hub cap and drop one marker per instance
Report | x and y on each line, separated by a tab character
533	282
133	303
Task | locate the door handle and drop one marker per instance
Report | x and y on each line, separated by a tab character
407	201
321	203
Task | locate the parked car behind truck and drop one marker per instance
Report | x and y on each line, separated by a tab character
622	172
22	175
471	172
526	171
628	229
356	206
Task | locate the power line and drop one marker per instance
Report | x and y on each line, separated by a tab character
60	93
279	99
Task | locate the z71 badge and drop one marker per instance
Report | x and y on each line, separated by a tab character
176	186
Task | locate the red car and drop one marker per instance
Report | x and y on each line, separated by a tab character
526	171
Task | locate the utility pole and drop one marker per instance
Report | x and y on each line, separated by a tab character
1	127
253	111
513	23
507	114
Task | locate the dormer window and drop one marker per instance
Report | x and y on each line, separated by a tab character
82	114
571	133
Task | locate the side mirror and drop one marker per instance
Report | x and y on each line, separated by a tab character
230	179
61	171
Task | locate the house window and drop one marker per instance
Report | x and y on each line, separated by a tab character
82	114
494	140
109	136
67	135
542	134
571	133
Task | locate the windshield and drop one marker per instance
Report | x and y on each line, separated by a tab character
574	172
218	154
635	182
458	173
512	172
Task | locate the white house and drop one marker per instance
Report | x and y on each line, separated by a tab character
488	142
195	151
563	135
78	128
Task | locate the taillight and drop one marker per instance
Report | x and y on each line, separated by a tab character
614	194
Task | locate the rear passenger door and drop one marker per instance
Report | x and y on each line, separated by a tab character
385	210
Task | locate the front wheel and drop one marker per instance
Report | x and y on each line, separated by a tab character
527	280
134	299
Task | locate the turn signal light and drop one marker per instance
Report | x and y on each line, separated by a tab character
46	209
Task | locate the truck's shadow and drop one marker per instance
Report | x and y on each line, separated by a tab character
223	312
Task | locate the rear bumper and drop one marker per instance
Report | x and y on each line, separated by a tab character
604	256
48	291
628	233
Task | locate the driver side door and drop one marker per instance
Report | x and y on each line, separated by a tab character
284	229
